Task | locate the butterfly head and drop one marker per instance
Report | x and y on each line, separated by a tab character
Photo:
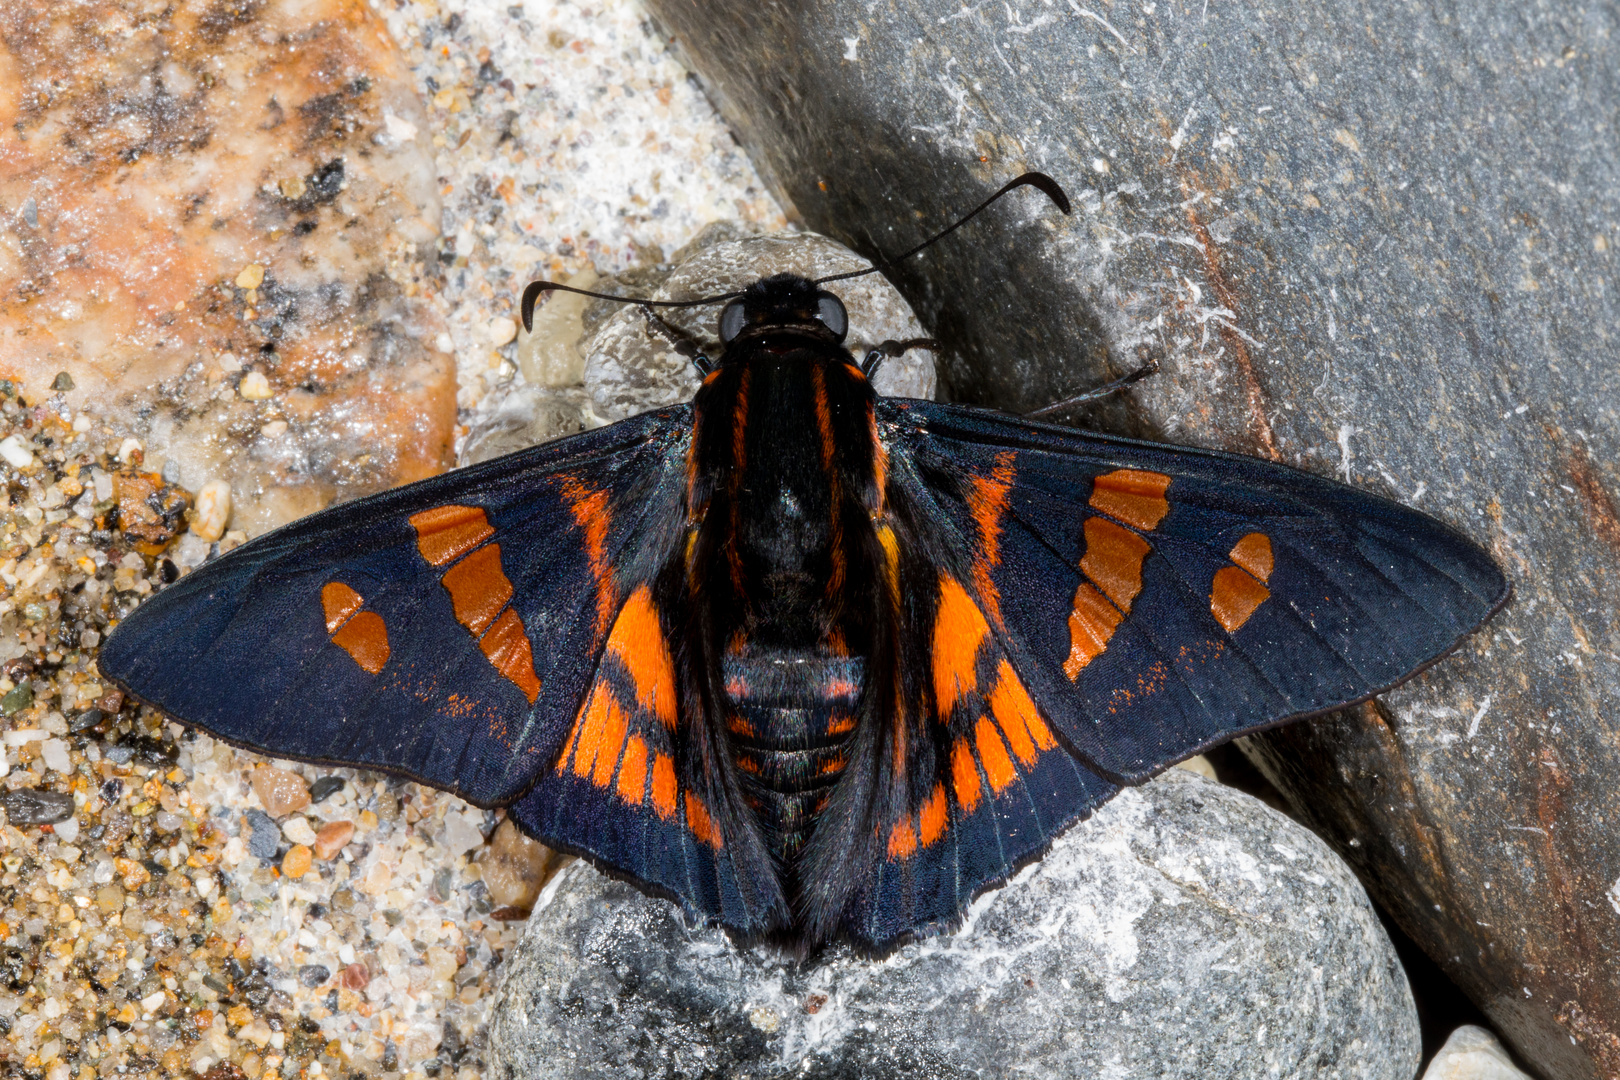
784	303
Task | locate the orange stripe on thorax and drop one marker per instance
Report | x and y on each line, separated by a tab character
829	451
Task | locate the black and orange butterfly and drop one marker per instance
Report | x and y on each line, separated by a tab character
808	661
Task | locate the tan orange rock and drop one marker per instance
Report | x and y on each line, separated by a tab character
205	195
515	868
332	837
280	791
297	861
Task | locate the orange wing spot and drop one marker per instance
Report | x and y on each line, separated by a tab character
638	640
841	688
987	501
836	645
748	764
364	637
738	726
507	647
614	729
1233	596
663	789
902	840
478	589
959	628
1253	553
591	513
1019	720
933	818
993	753
446	533
1132	496
840	724
1113	560
603	713
834	764
338	602
965	776
702	826
633	771
1091	623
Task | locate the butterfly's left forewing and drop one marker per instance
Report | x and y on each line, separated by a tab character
447	630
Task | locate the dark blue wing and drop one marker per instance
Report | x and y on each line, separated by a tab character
1159	600
447	631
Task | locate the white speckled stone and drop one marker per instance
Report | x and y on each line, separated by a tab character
1473	1053
1184	931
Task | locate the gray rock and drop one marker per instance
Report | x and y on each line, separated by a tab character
265	835
629	370
1185	930
1373	240
31	806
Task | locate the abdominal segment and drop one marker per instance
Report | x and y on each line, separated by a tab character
790	716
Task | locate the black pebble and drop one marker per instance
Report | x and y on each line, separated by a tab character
313	975
29	806
325	788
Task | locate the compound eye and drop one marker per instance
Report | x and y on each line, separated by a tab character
830	313
732	321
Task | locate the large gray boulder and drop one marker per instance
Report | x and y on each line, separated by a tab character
1184	931
1374	240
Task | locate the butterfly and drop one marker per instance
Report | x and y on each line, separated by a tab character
812	663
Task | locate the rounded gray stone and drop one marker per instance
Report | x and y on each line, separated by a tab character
1185	930
630	370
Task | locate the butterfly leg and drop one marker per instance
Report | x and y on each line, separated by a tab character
680	340
874	359
1149	368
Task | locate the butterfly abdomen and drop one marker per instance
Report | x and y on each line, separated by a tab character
790	717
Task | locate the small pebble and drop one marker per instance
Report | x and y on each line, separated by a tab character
30	806
254	386
297	861
16	452
266	836
515	867
501	331
355	977
325	788
55	754
212	511
130	452
298	829
313	975
110	898
331	839
63	381
251	277
280	791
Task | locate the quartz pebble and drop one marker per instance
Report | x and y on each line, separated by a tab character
212	510
1473	1053
254	386
332	838
280	791
516	868
298	830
